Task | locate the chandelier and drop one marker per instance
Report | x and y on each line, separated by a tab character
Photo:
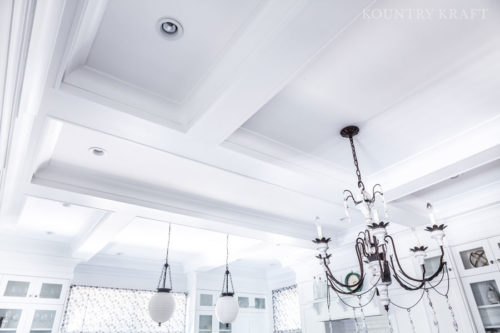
378	260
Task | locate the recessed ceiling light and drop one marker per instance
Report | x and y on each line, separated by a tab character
170	28
97	151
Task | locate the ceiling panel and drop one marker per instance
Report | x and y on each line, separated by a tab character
56	220
411	80
145	238
129	47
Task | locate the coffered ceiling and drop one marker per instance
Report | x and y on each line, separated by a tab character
233	127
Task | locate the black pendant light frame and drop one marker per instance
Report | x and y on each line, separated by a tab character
228	279
166	274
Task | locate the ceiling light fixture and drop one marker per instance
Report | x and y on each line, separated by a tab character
375	248
97	151
170	28
162	304
227	306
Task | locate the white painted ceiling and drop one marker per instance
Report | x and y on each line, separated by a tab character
234	127
128	42
409	79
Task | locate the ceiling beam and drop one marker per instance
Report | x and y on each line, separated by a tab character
30	54
466	151
100	235
76	110
283	53
265	231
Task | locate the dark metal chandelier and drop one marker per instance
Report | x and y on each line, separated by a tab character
376	253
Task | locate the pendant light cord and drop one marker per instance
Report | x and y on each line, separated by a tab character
168	242
227	252
228	279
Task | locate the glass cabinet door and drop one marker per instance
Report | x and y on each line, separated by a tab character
475	258
224	328
205	323
485	297
43	321
51	290
15	288
9	319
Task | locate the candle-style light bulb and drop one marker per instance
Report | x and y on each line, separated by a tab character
346	210
431	214
319	229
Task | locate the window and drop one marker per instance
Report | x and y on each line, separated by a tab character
109	310
286	310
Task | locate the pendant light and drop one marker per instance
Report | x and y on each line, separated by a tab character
162	304
227	306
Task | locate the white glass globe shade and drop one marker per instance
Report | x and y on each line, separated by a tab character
161	307
227	309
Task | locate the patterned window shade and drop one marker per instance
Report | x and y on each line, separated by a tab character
286	310
109	310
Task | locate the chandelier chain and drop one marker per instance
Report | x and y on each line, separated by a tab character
361	185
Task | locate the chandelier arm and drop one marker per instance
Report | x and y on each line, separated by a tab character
351	196
333	285
361	269
349	286
407	283
405	286
445	271
399	263
361	242
375	191
442	263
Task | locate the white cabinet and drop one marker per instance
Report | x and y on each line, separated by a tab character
206	322
33	289
31	304
482	292
253	313
29	318
206	299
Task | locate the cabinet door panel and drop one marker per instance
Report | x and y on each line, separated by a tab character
483	296
475	258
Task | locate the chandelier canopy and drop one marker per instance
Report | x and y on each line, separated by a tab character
377	257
